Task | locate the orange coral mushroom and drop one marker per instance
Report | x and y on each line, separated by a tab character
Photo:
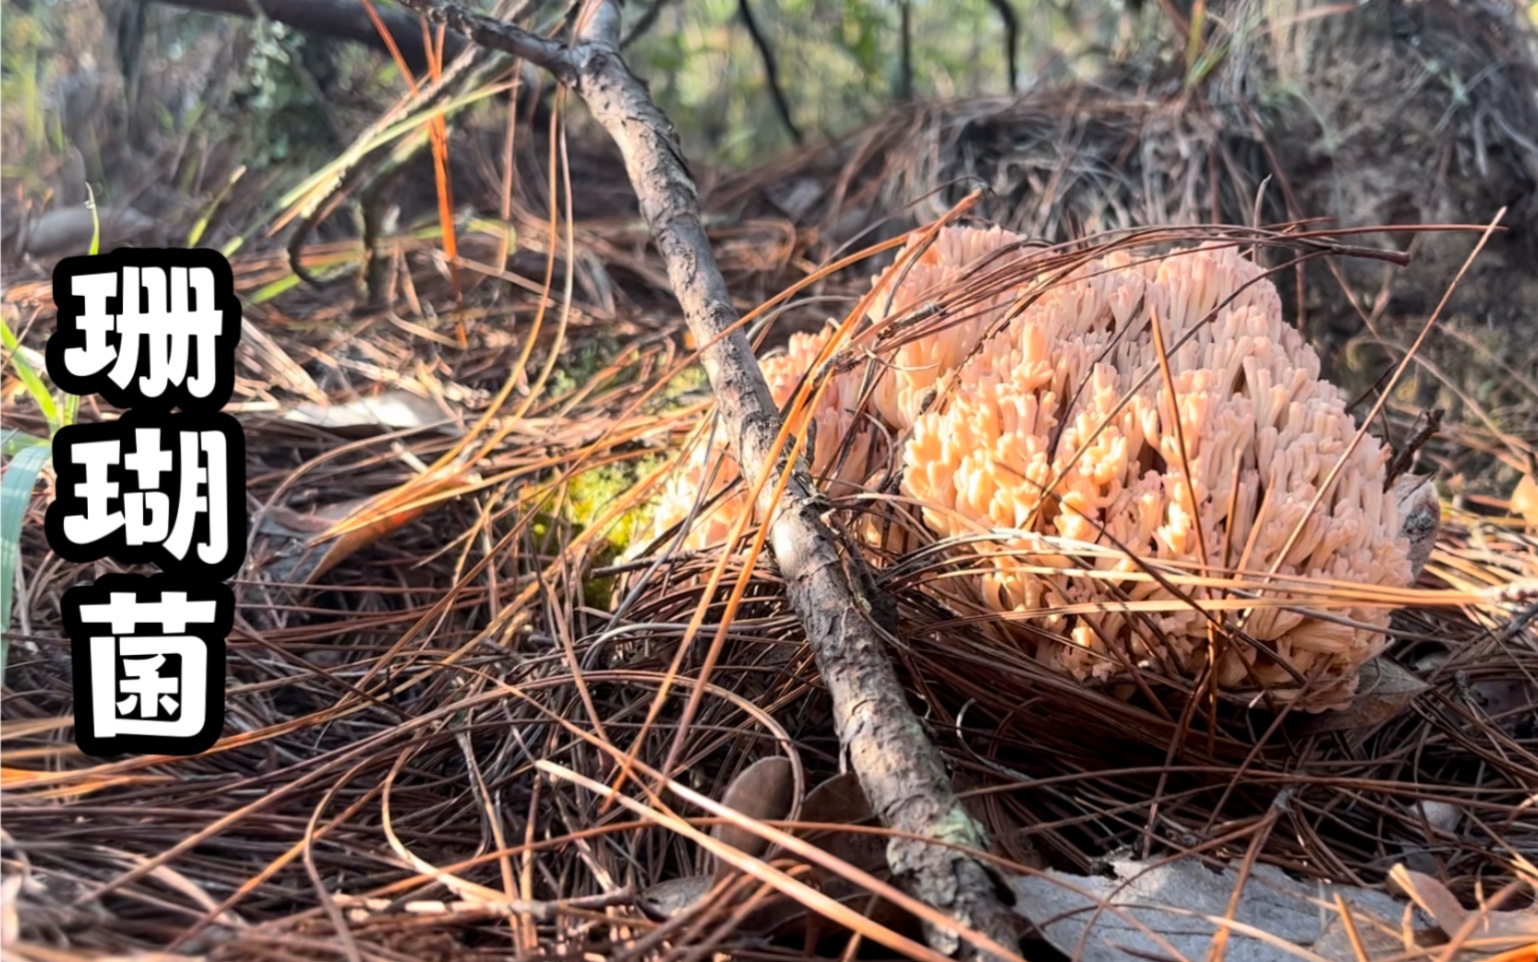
1045	420
1071	399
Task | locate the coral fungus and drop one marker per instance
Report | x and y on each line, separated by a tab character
834	420
1046	422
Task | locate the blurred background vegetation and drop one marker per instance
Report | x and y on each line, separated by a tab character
841	64
211	121
120	80
229	129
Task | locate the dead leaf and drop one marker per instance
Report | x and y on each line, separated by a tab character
837	801
1150	908
1379	938
1524	499
1495	930
841	801
764	791
389	410
298	548
666	899
68	230
796	197
1420	517
1383	690
1510	699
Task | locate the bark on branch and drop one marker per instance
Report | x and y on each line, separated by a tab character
900	770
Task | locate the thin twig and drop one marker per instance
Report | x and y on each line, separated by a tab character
643	23
1011	39
1405	456
905	59
771	69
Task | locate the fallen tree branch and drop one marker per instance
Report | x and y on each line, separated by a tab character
339	19
900	770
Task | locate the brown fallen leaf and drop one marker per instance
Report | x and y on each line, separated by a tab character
387	411
841	801
1383	690
1524	499
1491	929
837	801
1420	517
764	791
298	548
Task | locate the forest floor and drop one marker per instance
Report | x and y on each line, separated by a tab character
453	637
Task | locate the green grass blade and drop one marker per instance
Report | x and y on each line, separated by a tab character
13	441
333	173
195	235
15	497
335	170
29	378
269	291
90	204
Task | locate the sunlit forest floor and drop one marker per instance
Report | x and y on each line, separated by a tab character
454	627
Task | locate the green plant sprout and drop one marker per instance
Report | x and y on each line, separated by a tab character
25	455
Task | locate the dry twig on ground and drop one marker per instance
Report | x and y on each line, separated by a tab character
899	768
